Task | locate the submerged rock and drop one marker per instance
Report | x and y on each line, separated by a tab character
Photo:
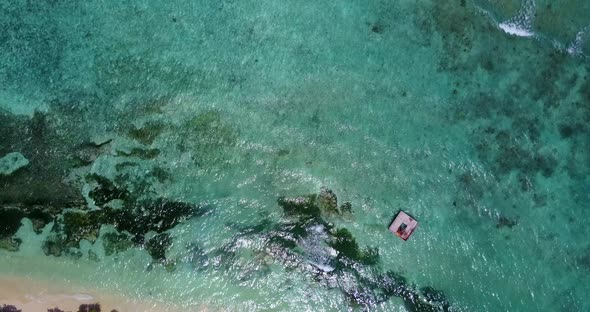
11	217
10	221
504	221
147	133
300	206
197	257
208	135
327	201
346	208
10	243
142	153
106	190
81	225
137	217
305	242
11	162
314	206
48	145
427	300
346	246
149	215
157	246
115	243
53	245
87	152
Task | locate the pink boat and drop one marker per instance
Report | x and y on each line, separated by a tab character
403	225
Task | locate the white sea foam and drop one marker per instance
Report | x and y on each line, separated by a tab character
322	266
522	24
516	30
575	47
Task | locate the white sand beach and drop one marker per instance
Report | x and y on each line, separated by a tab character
37	296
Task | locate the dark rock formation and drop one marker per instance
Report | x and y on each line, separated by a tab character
305	242
105	190
10	221
9	308
327	201
93	307
300	206
137	217
343	242
48	148
115	242
157	245
87	152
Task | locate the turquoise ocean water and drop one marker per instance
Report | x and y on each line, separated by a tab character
471	115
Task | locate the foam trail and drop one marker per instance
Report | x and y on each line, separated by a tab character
522	24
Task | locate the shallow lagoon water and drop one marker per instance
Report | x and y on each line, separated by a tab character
430	107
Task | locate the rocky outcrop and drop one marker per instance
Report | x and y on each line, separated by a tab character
9	308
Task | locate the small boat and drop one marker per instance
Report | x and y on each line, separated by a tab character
403	225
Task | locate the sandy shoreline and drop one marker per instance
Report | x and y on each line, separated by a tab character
35	295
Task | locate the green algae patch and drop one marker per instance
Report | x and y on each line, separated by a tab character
209	129
126	164
115	242
142	153
10	244
81	225
48	145
207	135
300	206
345	244
147	133
54	243
160	174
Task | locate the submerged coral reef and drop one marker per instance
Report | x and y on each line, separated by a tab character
306	242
